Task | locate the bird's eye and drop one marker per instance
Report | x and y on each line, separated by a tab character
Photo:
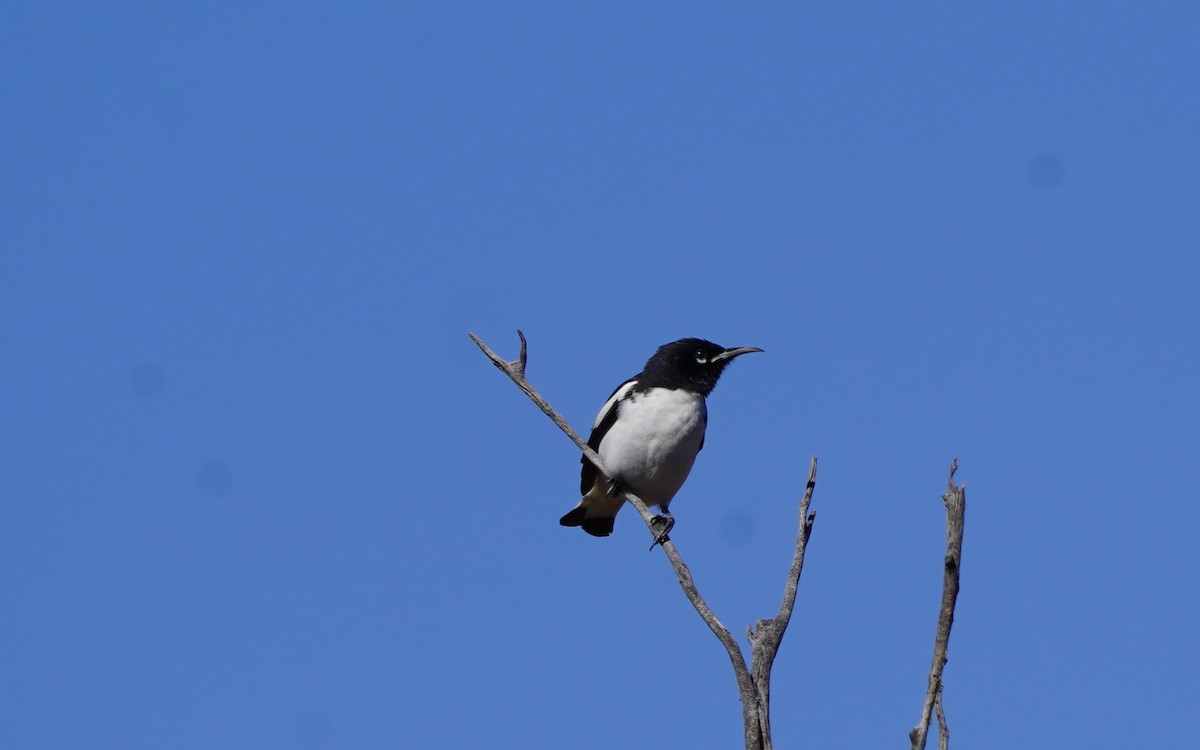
700	358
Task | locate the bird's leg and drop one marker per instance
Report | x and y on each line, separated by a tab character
663	523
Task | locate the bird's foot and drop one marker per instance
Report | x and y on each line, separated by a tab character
662	526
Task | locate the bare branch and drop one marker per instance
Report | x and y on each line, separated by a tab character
515	370
752	720
767	635
955	500
802	534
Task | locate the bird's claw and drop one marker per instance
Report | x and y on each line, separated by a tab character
667	523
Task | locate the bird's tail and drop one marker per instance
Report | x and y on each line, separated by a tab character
595	515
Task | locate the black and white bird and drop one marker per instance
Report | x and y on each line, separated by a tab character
649	432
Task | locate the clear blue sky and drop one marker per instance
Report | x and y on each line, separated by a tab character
260	490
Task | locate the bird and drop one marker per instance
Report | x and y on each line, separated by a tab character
648	434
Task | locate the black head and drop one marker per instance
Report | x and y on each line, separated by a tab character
694	364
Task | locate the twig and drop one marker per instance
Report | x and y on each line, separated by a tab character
955	500
515	370
767	635
754	689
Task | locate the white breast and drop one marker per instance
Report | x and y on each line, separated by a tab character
654	442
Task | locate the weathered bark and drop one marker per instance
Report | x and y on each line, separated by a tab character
955	500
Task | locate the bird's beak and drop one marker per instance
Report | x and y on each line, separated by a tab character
737	351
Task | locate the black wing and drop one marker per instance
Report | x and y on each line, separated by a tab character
604	422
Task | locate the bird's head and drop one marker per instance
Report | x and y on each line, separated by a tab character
693	363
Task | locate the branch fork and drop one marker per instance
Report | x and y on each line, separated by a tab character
765	637
754	680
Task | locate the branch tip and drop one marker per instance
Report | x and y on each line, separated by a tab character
520	363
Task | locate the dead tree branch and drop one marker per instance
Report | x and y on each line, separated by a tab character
766	636
754	681
955	501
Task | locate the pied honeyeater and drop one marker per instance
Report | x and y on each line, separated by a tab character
648	434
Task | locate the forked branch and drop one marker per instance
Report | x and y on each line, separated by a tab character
767	635
753	682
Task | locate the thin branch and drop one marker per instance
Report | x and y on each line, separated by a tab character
802	534
767	635
751	718
955	500
515	370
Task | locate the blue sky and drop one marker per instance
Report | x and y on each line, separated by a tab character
261	491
